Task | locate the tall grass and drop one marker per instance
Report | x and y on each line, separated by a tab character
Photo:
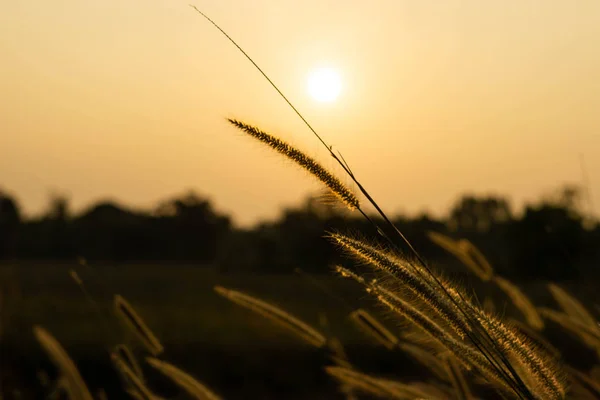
137	326
440	309
467	348
276	314
504	357
69	378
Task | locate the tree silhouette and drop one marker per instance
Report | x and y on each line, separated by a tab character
547	242
472	214
107	231
10	221
199	230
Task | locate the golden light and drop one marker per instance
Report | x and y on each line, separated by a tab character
324	84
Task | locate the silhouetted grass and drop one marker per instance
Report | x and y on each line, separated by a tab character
482	353
225	347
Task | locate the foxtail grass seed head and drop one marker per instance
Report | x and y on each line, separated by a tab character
346	273
464	352
373	328
535	336
135	384
182	379
539	371
126	355
277	315
136	324
409	277
308	163
74	384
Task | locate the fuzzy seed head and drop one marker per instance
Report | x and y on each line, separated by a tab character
305	161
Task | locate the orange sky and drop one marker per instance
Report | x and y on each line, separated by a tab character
127	98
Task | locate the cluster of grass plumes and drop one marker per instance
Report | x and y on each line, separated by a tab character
475	340
573	317
404	292
71	385
413	291
440	309
477	263
499	353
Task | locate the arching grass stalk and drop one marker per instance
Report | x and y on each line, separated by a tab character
275	314
480	338
373	328
70	378
123	352
184	380
137	326
135	386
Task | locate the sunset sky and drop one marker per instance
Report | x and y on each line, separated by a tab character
127	99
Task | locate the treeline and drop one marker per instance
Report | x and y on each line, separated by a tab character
551	239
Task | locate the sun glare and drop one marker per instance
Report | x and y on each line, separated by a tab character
324	84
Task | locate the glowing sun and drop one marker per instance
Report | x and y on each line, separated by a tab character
324	84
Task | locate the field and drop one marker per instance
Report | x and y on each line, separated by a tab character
227	347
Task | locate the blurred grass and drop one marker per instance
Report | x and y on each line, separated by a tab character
177	302
226	346
231	349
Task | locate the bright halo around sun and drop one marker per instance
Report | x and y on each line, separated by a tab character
324	84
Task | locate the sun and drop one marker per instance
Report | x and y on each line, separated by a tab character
324	84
